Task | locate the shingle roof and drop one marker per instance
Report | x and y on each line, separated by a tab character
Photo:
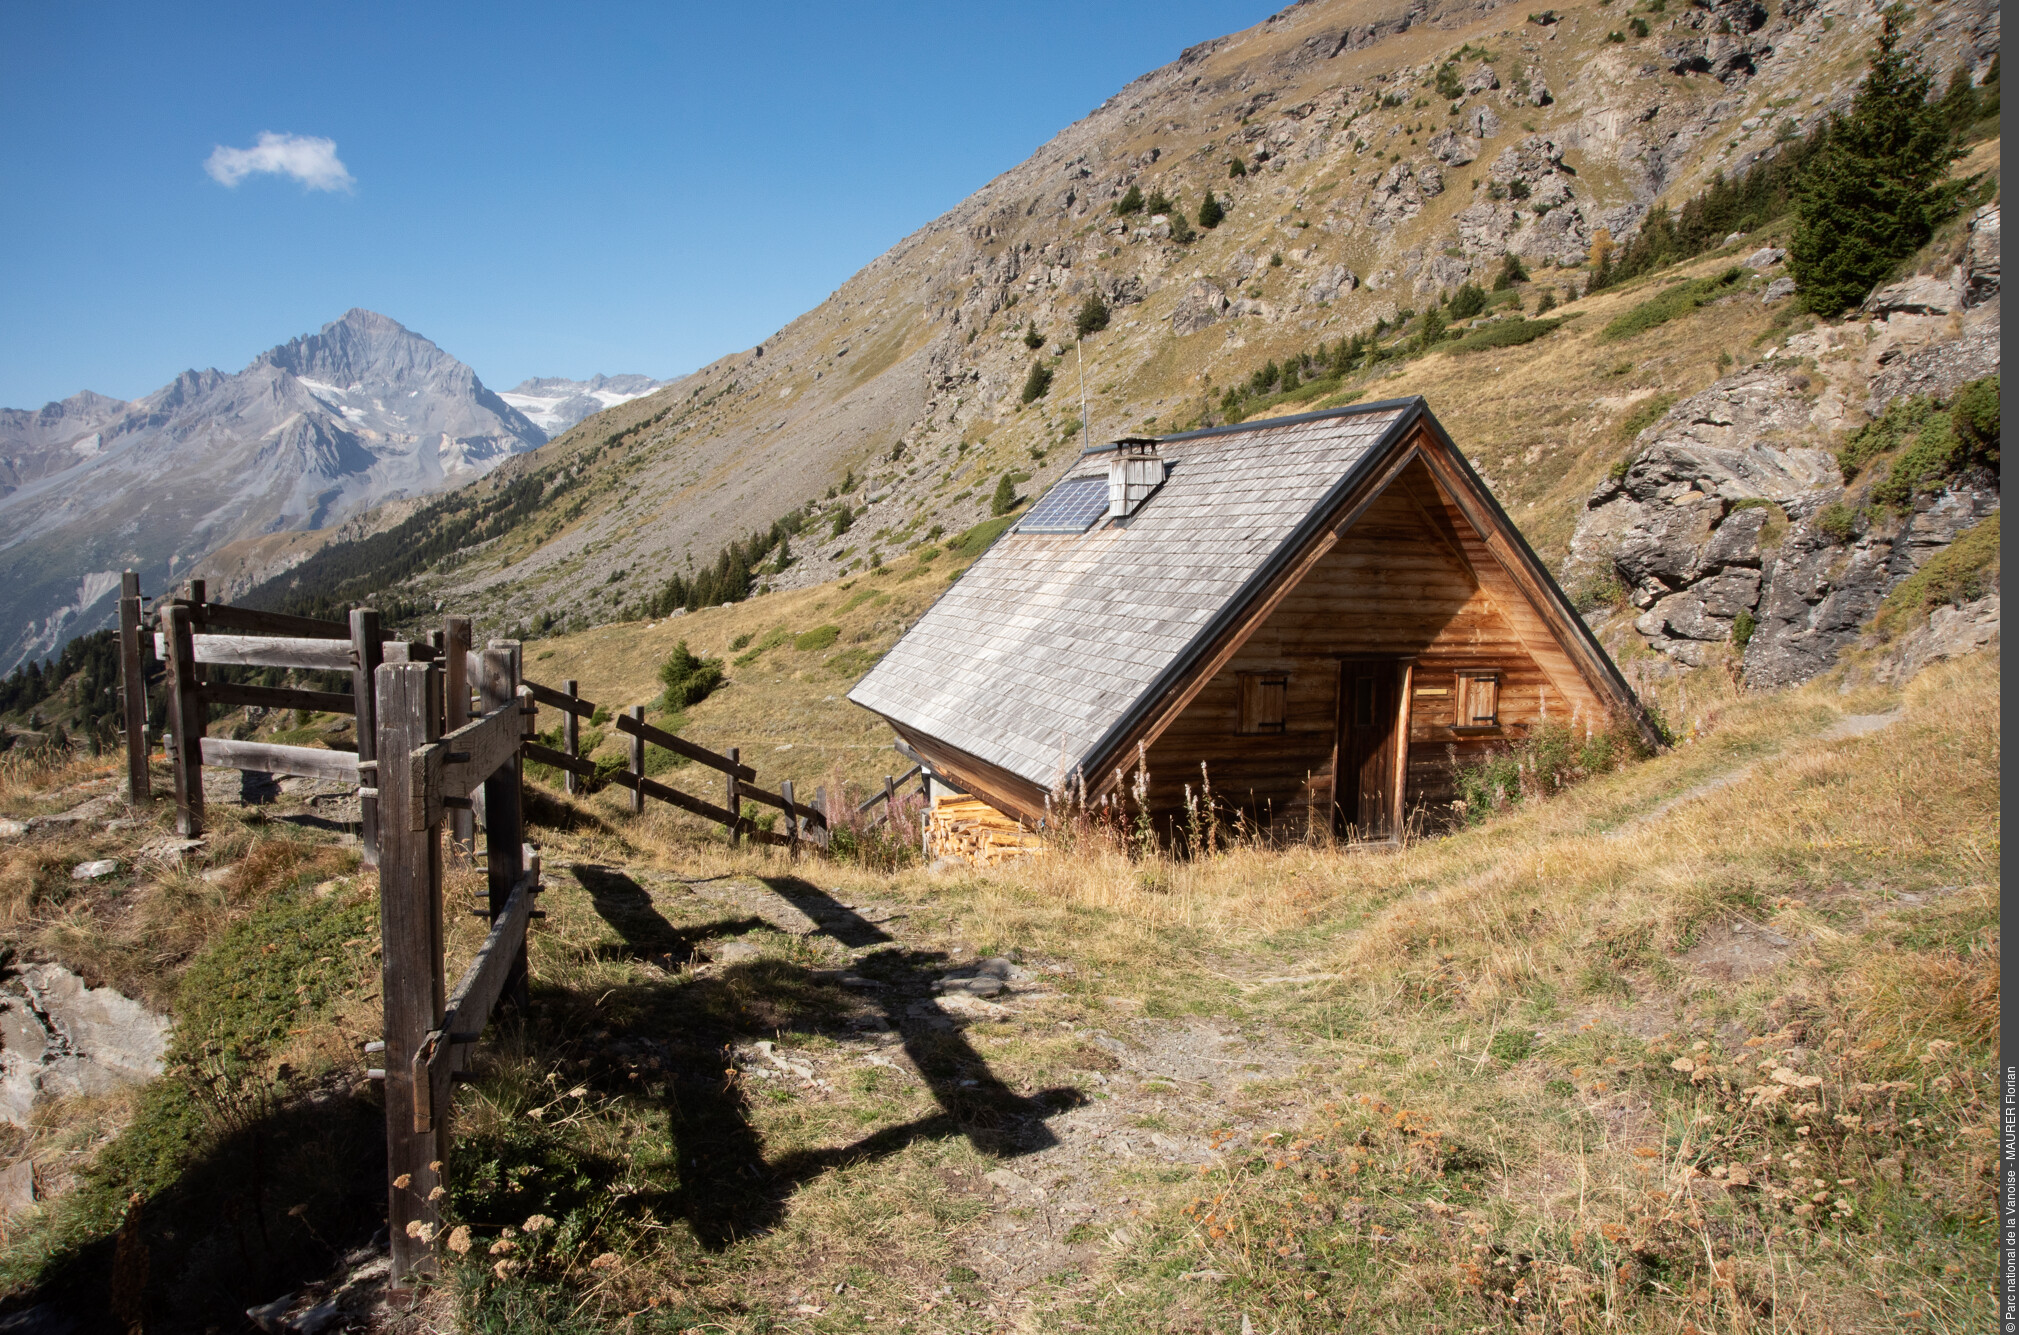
1036	655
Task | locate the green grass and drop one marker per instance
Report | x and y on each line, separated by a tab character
1678	300
1965	569
1510	333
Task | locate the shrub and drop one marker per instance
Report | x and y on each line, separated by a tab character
1092	318
1211	215
1743	626
1448	86
1467	302
1159	202
1236	169
1675	301
1837	521
1130	202
1874	193
844	520
687	679
1181	231
820	637
1547	303
1974	419
1638	25
1505	334
1005	498
1433	328
1032	338
1511	272
1038	383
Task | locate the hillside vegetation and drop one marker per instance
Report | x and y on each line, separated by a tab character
1358	202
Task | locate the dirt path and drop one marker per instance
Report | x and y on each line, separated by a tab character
1848	726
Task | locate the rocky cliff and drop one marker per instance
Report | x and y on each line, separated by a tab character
1734	533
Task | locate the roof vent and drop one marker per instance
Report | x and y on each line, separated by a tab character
1135	469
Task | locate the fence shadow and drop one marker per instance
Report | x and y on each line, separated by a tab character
675	1041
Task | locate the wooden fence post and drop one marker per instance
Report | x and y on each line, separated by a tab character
504	826
890	802
735	799
455	713
133	689
791	821
570	739
366	647
410	933
637	713
195	588
186	717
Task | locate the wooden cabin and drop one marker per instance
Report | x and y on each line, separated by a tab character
1330	612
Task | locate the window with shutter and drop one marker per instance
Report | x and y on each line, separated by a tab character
1478	702
1264	701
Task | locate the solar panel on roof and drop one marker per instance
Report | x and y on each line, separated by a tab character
1070	507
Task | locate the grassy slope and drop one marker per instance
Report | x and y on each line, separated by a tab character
1485	1117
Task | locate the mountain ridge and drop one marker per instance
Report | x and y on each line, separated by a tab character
308	433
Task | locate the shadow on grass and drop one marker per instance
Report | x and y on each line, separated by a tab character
269	1207
673	1043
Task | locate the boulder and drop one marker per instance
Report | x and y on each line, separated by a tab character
1778	290
1481	80
1329	283
1951	632
1766	257
1202	304
1452	148
1921	294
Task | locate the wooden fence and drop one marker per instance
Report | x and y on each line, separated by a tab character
423	776
807	824
443	732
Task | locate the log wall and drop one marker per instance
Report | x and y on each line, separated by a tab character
1397	584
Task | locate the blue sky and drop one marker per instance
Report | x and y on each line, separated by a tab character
542	192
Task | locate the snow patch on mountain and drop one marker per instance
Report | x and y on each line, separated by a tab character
554	404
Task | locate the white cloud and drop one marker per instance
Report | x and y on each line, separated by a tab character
311	161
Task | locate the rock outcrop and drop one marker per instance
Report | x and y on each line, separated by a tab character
60	1039
1731	529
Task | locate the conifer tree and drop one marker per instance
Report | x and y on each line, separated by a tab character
1005	497
1130	202
1210	212
1874	194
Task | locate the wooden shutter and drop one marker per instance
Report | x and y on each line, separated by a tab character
1478	702
1265	701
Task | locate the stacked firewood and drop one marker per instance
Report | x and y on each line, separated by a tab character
972	830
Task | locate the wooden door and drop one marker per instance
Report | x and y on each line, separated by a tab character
1370	709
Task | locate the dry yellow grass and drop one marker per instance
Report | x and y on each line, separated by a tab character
1531	1079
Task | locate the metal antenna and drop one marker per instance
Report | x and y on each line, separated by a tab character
1086	427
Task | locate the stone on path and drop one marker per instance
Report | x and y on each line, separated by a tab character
95	870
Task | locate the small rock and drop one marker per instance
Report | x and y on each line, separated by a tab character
1008	1181
272	1316
1778	290
95	870
317	1319
12	829
730	951
125	823
1766	257
17	1187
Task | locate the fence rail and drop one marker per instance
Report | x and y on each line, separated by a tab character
803	823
